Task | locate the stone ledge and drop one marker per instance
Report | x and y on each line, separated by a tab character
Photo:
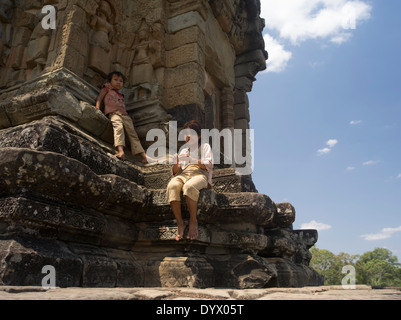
361	292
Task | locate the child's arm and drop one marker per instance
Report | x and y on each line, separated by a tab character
100	98
175	164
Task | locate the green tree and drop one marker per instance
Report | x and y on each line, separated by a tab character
330	265
379	268
376	268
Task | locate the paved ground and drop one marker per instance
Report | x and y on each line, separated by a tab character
165	294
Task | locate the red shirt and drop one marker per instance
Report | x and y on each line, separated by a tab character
113	100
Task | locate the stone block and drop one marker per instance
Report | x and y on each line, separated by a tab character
78	40
49	220
285	216
249	69
241	97
186	94
245	207
186	20
184	54
242	271
78	16
186	272
244	83
98	269
59	173
125	198
281	243
92	120
180	7
57	136
22	260
242	124
241	111
257	56
20	167
129	272
191	72
24	18
74	61
44	102
4	121
226	181
21	36
16	57
290	274
186	36
185	113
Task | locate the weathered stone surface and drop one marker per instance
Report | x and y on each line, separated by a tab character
242	271
186	272
22	260
285	215
58	136
310	293
66	201
32	106
290	274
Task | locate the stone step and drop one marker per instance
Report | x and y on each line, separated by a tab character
53	176
56	135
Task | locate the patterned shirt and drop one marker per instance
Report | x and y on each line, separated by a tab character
113	100
205	154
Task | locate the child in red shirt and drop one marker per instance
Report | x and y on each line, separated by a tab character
114	108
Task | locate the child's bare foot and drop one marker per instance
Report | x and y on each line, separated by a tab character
193	230
120	155
180	231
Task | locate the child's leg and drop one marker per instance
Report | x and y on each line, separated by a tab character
136	146
193	222
176	208
119	136
120	153
191	191
173	194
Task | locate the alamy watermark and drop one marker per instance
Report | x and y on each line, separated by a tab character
49	20
49	281
238	148
349	281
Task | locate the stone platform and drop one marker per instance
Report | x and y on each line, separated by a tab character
219	295
67	202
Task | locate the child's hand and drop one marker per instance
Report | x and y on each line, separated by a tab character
187	158
184	157
175	158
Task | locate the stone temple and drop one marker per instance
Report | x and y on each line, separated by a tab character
67	202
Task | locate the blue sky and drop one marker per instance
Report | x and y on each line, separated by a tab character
326	116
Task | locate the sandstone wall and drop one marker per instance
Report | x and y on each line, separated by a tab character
66	201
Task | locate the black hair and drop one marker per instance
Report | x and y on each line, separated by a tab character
117	73
194	125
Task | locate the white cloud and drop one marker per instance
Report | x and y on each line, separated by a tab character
315	225
341	38
399	176
323	151
278	56
371	162
386	233
355	122
350	168
297	21
330	143
301	20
